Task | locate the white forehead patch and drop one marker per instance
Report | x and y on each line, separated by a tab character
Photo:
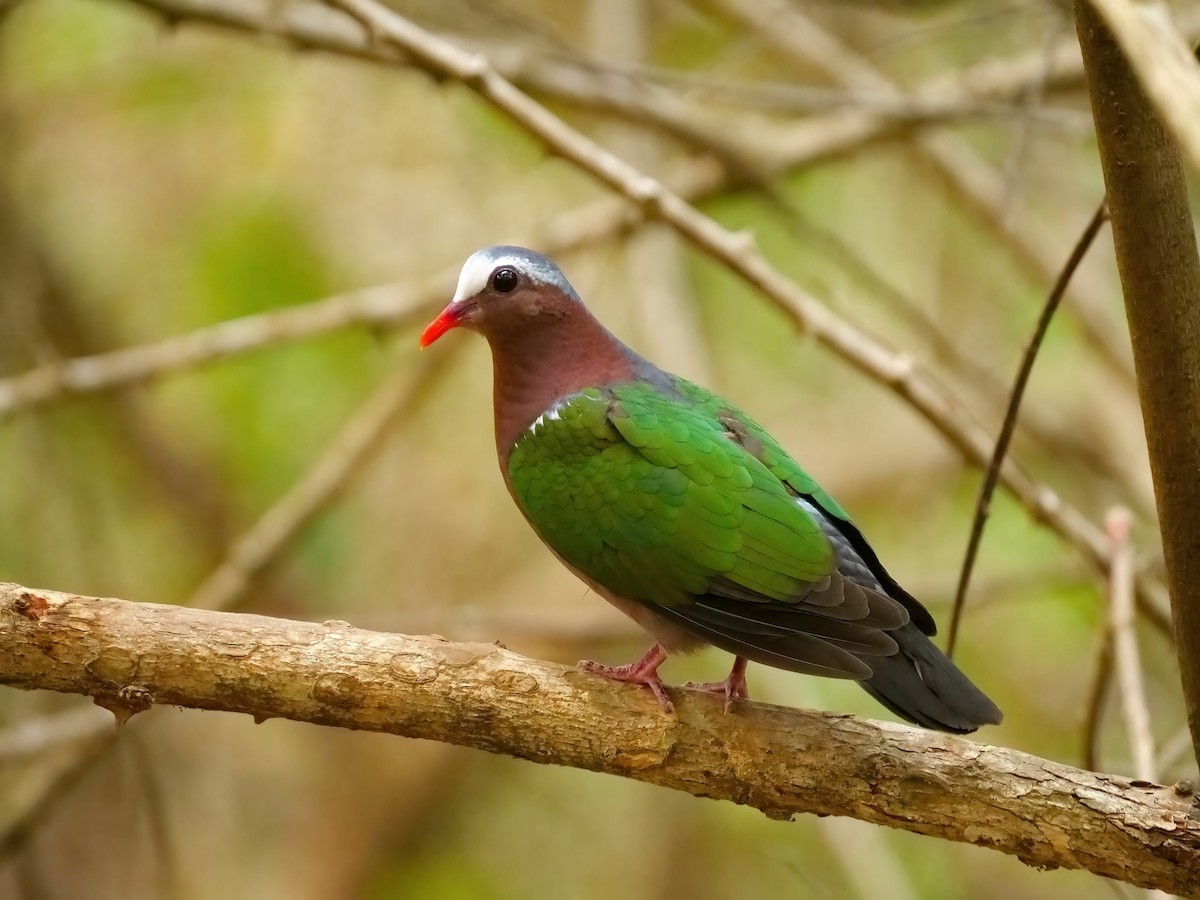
533	266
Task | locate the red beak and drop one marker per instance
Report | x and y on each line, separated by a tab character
450	317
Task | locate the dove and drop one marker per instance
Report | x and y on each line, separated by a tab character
683	512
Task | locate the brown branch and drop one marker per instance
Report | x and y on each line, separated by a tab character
1155	244
1162	63
129	656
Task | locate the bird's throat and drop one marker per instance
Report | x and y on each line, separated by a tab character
537	366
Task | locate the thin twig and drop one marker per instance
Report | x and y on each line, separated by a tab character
917	107
1097	698
992	475
1118	524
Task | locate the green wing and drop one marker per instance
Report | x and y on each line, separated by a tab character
758	441
675	500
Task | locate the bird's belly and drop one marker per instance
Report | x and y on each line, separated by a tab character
672	637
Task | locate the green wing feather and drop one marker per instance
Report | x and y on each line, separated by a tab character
758	441
674	499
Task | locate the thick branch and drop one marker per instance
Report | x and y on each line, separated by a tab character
781	761
1155	243
1160	60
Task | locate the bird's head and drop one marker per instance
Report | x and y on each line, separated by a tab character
504	289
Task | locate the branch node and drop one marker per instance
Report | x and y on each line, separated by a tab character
475	71
743	241
31	606
646	192
126	703
902	368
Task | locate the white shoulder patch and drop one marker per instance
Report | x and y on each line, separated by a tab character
553	414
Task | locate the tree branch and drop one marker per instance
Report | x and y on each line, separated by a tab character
384	306
129	656
1160	275
1160	60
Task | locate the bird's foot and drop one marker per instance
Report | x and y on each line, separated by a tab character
733	687
644	671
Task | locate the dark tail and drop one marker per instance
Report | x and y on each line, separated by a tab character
922	685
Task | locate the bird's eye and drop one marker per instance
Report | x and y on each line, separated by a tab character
504	280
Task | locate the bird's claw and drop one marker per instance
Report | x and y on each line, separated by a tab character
732	688
644	671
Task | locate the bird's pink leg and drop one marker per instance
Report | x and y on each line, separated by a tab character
644	671
733	687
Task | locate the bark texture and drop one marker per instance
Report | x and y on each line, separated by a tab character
129	656
1160	277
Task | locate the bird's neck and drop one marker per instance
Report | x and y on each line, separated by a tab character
545	360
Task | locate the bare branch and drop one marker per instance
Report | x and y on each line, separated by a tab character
781	761
920	107
1163	64
1155	243
119	368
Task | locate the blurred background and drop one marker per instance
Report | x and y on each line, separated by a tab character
923	168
